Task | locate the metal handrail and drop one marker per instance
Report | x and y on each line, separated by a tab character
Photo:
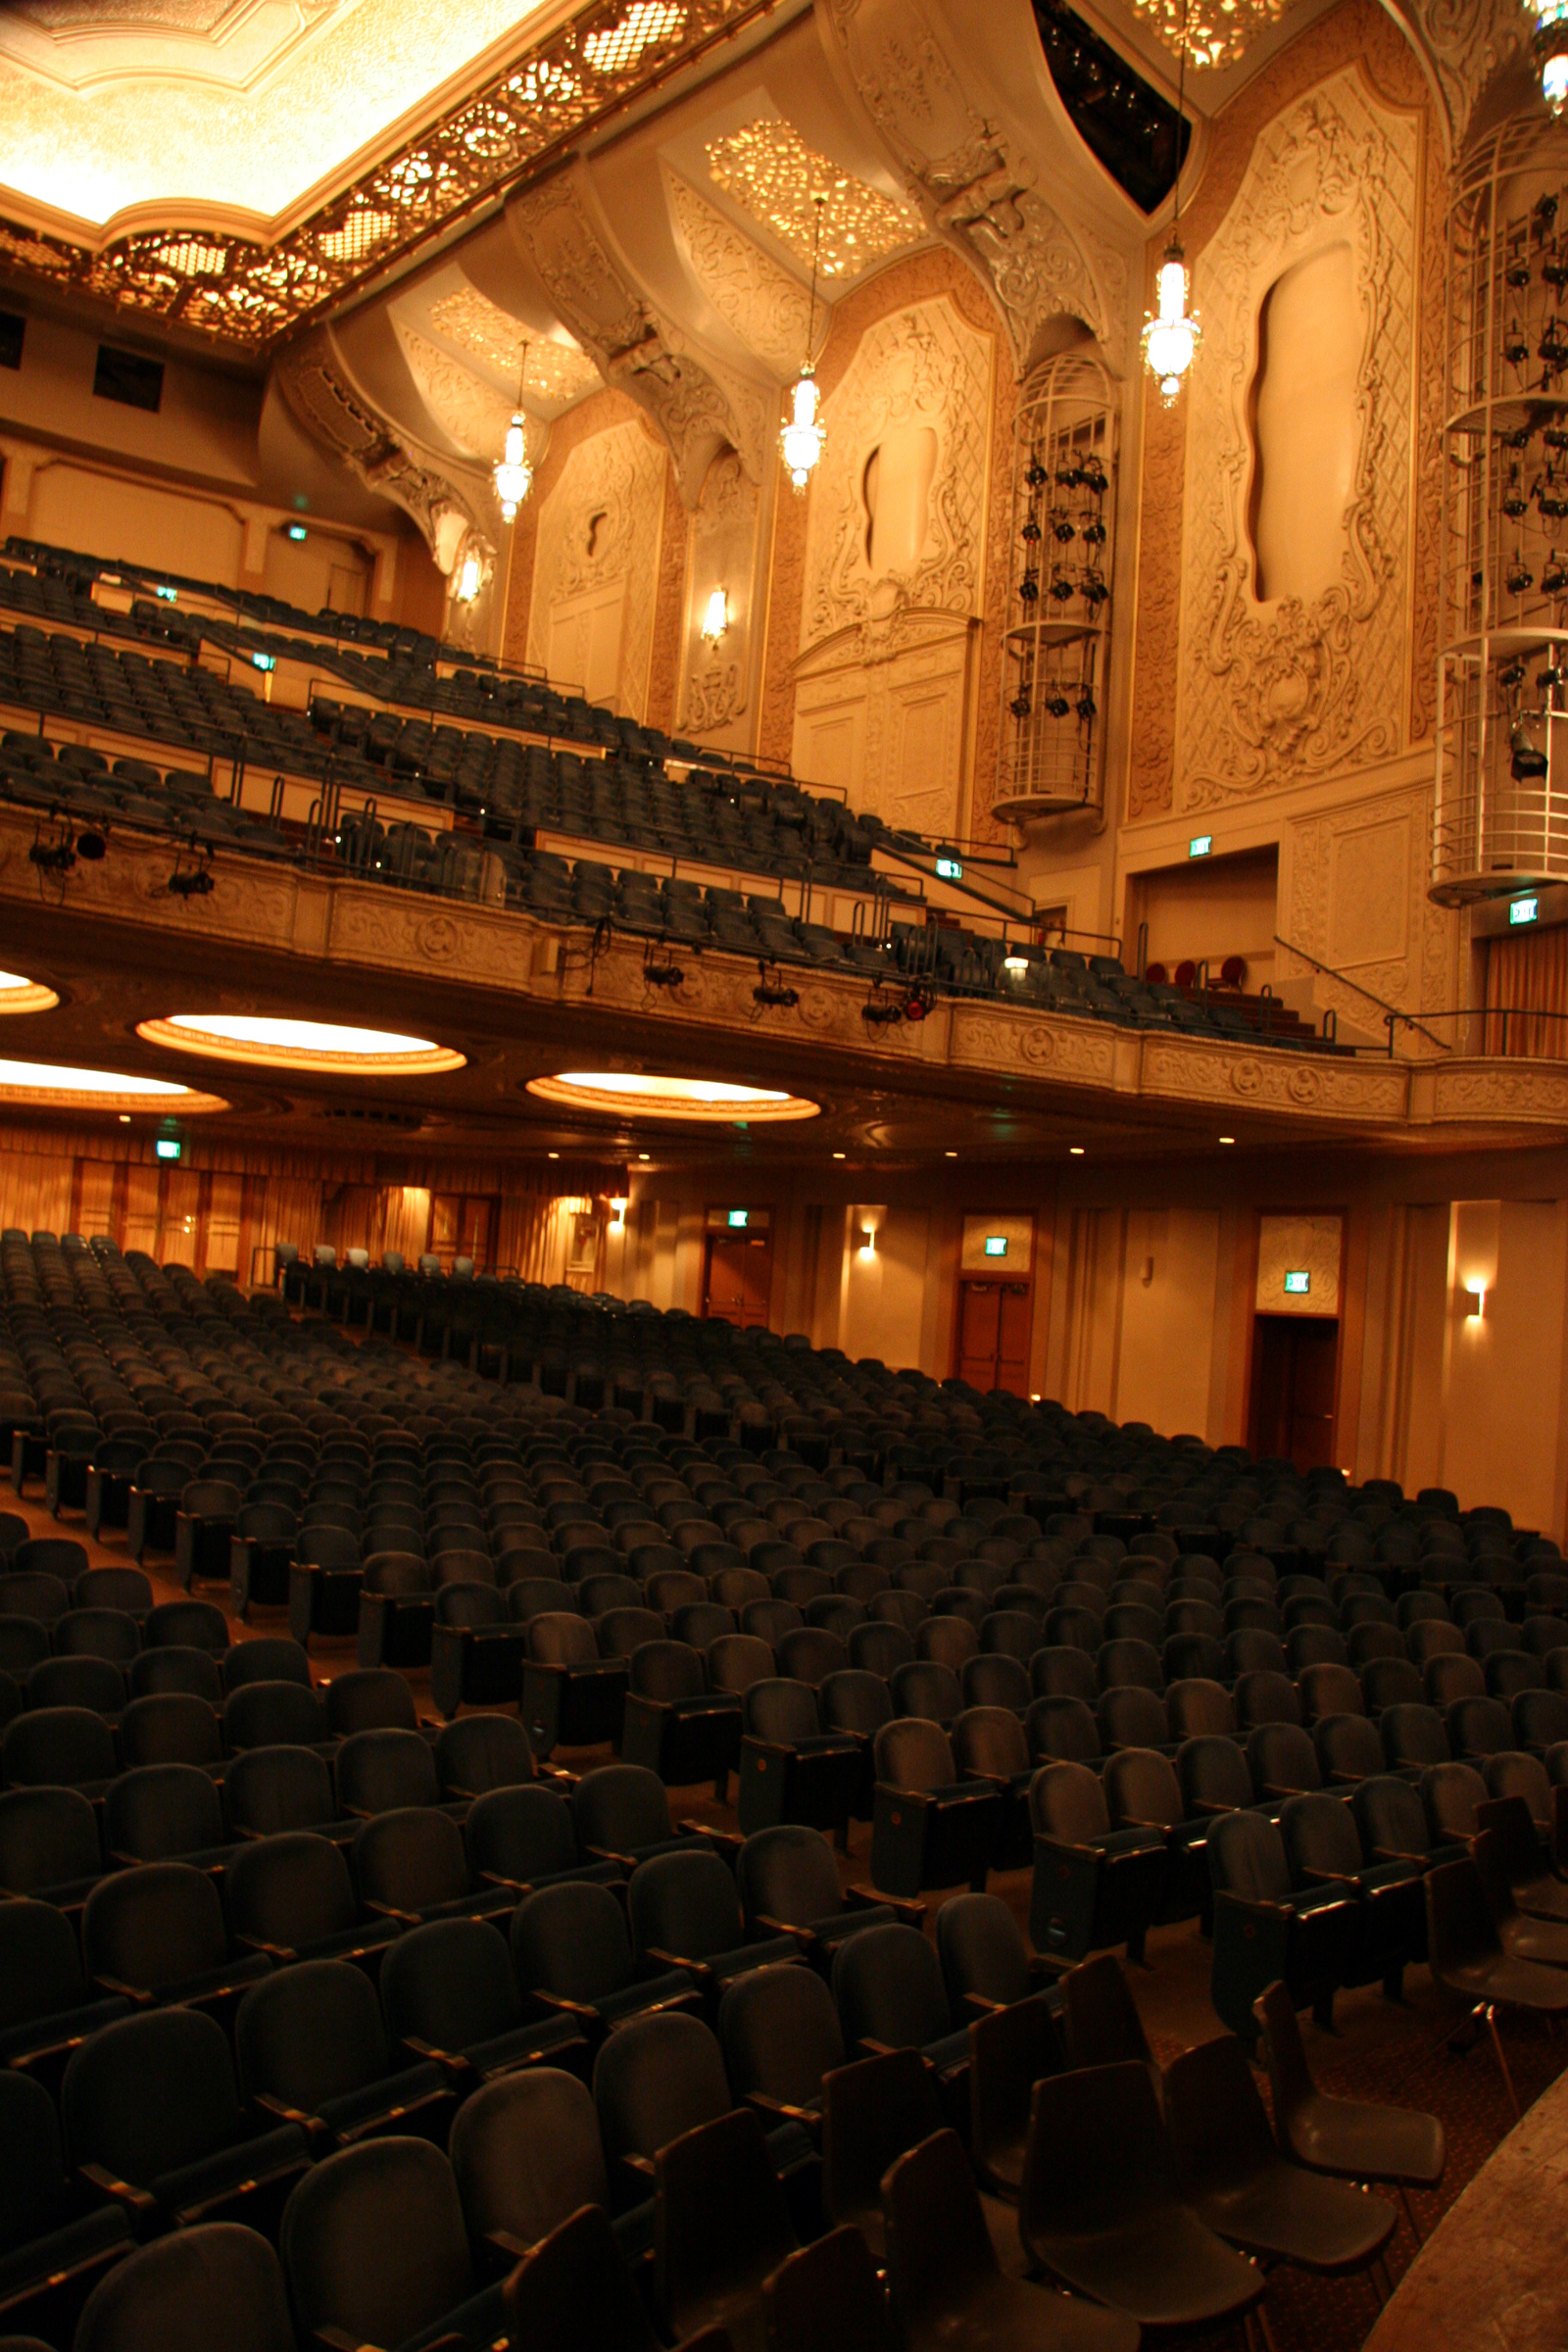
1393	1012
1489	1013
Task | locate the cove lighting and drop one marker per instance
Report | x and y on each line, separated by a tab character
20	995
1200	845
107	1089
1298	1282
286	1045
630	1093
1524	910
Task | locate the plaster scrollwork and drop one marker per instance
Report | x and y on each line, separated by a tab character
318	387
698	407
923	368
976	187
472	411
721	554
758	301
1468	43
1280	692
598	546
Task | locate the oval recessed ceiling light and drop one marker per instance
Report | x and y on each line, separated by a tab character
288	1045
51	1082
18	995
635	1094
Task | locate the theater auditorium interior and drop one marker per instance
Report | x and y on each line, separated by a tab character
783	1175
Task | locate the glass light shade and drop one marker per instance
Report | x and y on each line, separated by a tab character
803	438
1552	47
468	576
1171	336
717	620
513	475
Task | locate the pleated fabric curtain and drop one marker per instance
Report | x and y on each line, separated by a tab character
1527	979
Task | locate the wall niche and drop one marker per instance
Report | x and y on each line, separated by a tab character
1304	426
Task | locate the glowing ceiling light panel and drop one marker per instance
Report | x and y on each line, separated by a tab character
48	1082
278	1044
20	995
629	1092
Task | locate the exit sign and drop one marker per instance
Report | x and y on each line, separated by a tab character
950	870
1297	1283
996	1245
1199	844
168	1147
1523	910
738	1217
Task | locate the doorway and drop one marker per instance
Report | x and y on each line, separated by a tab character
1296	1364
994	1322
464	1225
738	1278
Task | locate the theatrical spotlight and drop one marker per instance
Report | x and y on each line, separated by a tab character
772	996
1528	762
194	882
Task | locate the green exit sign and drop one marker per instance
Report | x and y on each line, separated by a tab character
1199	844
1297	1283
949	869
1523	910
738	1217
168	1147
996	1245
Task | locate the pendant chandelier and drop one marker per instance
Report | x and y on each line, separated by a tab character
802	436
1551	51
1171	333
511	473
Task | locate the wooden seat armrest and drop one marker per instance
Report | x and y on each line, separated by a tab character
805	1936
124	2192
724	1842
806	2116
126	1992
1329	1878
642	2165
285	2114
604	1853
906	1908
452	2060
981	2006
1392	1853
694	1968
504	2242
407	1919
339	2339
567	2008
280	1952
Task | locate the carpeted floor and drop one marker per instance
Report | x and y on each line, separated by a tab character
1378	2050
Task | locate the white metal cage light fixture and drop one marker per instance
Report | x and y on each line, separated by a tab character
803	436
1171	332
511	473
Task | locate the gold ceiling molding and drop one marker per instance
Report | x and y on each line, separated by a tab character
767	170
248	295
554	371
1217	33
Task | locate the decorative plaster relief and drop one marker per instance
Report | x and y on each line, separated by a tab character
723	553
923	369
767	308
977	189
472	411
335	412
1309	1246
698	407
1280	692
1356	883
767	170
596	565
553	372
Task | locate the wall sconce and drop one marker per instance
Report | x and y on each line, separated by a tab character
715	620
1476	1295
469	575
869	1220
617	1214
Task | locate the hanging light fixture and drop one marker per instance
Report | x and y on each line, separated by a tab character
803	436
511	473
1551	51
1171	333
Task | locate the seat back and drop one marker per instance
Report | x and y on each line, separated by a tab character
684	1903
373	2243
887	1984
654	2078
310	2033
217	2283
788	1873
526	2155
151	2093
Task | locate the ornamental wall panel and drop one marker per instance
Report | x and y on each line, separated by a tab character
1275	692
596	567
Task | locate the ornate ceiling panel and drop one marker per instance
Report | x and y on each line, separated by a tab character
471	410
767	170
553	372
256	103
248	292
763	305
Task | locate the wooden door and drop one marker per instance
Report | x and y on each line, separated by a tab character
1295	1361
994	1322
739	1278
